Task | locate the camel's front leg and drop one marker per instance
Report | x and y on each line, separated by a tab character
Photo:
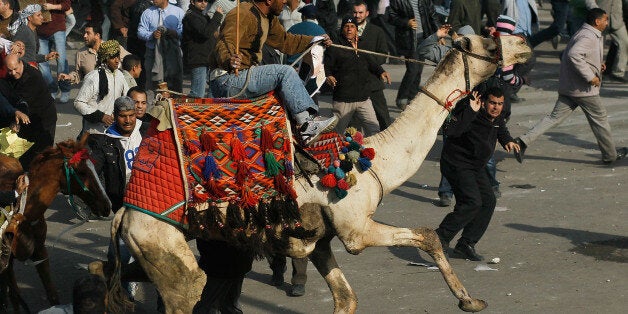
376	234
345	300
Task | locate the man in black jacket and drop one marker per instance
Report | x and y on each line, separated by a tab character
373	38
27	83
471	135
410	30
348	72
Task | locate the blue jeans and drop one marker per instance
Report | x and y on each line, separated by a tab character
444	188
560	12
199	82
58	39
282	78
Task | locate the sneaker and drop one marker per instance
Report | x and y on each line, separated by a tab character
445	200
297	290
65	97
312	129
555	41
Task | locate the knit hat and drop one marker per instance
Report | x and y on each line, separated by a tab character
348	19
465	30
108	49
308	11
123	103
505	24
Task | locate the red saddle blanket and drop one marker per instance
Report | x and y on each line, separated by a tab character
235	151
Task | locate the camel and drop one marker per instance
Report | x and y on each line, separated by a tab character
162	251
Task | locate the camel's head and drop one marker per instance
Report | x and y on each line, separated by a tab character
507	49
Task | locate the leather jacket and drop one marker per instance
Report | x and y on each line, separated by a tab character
400	12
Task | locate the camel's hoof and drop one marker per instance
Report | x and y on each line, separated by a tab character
96	268
472	305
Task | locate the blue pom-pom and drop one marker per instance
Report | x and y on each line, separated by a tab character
331	169
344	150
340	174
211	168
364	163
348	139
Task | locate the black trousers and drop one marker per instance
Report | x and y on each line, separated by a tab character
299	268
381	109
475	203
411	81
220	296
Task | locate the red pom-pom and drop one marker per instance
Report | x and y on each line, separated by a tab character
190	147
266	142
248	198
358	137
211	186
282	185
368	153
242	172
237	149
329	180
343	185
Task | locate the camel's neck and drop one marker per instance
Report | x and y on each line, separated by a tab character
402	147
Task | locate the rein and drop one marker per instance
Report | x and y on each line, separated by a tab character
69	174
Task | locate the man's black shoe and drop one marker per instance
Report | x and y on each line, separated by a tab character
466	251
522	149
297	290
616	78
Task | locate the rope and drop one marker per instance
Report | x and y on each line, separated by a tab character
384	55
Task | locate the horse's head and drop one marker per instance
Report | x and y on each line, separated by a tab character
80	178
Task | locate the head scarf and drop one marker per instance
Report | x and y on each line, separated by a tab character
107	50
23	18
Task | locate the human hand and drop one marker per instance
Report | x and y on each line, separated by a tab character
603	67
443	30
21	184
157	33
474	101
490	29
386	78
595	81
412	23
63	77
331	81
512	146
52	55
327	41
220	10
107	119
21	117
235	61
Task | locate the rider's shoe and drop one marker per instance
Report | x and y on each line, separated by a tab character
312	129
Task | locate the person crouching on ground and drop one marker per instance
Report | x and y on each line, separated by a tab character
474	128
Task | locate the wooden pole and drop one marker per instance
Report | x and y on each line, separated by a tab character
237	43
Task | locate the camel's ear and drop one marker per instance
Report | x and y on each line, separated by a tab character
462	43
83	141
65	148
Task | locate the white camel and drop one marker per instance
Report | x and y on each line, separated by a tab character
165	256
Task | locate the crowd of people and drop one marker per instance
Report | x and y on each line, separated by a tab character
134	46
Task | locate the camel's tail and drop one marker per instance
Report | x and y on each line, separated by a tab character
117	296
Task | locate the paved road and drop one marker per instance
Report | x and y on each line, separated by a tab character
560	227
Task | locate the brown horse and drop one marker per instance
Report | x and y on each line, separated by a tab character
65	168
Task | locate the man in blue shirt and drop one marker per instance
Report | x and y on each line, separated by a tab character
161	27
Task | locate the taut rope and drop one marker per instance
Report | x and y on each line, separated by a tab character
383	55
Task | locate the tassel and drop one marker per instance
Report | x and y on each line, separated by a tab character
281	185
351	131
331	169
346	165
364	163
212	189
353	156
248	198
351	179
339	174
208	142
190	147
289	168
353	145
211	168
242	173
272	166
266	142
199	196
358	137
329	180
343	185
237	149
287	144
368	153
340	193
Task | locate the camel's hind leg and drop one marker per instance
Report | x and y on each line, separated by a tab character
376	234
166	258
345	300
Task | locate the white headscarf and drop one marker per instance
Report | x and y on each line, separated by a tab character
24	14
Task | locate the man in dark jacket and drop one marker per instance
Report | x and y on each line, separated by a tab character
373	38
27	83
410	30
199	39
348	72
471	135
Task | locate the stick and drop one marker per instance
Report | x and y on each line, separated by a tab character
237	44
383	55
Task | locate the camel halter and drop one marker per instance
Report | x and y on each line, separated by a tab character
465	61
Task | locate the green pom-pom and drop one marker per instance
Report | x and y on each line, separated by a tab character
340	193
353	156
272	166
353	145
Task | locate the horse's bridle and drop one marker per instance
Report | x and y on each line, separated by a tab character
70	173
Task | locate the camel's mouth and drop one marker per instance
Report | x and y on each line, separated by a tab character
524	55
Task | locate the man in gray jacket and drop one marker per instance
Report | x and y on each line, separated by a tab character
579	86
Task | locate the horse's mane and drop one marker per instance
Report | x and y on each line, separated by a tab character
52	152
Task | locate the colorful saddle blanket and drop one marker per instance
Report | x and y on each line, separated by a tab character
220	150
